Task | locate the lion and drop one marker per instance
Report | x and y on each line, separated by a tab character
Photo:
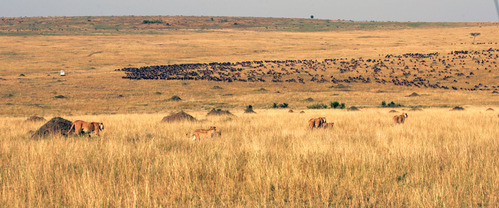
83	127
400	118
212	131
316	122
328	125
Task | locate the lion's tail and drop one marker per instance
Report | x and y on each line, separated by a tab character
72	125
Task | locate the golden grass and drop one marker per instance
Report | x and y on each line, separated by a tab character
437	158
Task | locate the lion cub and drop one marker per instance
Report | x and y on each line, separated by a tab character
400	118
212	131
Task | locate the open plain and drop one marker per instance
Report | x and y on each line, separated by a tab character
437	158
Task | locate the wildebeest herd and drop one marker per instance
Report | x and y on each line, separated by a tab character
457	70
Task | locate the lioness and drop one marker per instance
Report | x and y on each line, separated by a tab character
316	122
205	133
86	127
400	118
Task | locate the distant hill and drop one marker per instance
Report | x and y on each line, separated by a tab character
164	24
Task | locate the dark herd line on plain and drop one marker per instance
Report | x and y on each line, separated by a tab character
400	73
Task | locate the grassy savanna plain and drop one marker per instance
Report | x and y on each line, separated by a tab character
438	158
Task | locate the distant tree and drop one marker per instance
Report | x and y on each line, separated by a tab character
342	106
311	16
474	36
283	105
334	104
152	22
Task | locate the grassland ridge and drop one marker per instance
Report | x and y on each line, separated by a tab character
117	25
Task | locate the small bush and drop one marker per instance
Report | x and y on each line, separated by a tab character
283	105
342	106
391	104
59	96
334	104
249	109
152	22
317	106
175	98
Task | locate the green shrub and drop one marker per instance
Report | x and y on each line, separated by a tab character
249	109
152	22
317	106
334	104
283	105
392	104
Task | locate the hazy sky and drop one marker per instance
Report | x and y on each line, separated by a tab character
378	10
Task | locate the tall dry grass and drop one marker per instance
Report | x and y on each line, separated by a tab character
438	158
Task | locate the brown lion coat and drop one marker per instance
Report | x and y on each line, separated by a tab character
316	122
212	131
400	118
328	125
83	127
